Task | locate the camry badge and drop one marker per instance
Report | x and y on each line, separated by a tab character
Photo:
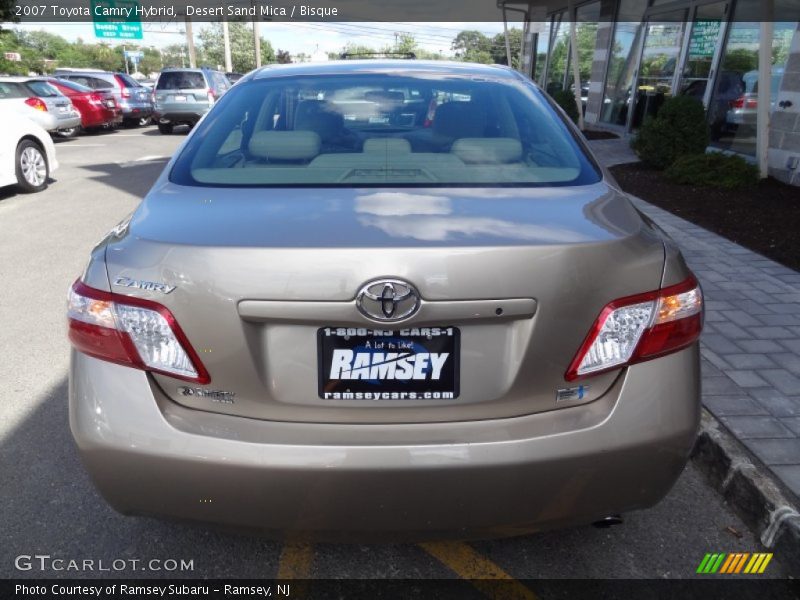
388	300
150	286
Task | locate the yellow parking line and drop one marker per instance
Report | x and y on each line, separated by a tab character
482	573
295	561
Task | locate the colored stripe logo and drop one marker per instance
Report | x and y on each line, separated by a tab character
734	563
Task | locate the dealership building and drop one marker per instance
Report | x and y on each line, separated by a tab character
628	56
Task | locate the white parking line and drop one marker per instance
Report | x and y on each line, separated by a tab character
62	146
137	161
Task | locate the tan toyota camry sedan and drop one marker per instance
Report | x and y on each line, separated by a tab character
385	299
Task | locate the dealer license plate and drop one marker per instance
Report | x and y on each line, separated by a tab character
179	98
410	363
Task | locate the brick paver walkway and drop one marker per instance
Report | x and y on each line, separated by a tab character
751	344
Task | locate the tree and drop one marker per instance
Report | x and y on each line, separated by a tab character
498	47
242	55
471	43
7	14
406	44
282	57
174	55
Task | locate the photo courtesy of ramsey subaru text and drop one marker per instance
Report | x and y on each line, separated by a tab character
380	300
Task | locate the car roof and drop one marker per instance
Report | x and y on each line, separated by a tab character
394	67
18	79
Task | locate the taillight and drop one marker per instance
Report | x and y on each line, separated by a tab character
131	331
211	95
639	328
95	99
744	102
36	103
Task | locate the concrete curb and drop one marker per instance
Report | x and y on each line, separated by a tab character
749	490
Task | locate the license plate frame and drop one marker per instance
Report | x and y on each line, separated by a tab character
441	374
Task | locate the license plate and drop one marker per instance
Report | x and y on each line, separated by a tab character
62	109
179	98
111	104
411	363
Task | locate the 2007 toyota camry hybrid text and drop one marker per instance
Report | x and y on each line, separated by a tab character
390	299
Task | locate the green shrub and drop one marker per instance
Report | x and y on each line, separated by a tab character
566	100
679	128
713	170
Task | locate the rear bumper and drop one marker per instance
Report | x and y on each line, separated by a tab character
476	479
136	110
179	116
100	117
54	122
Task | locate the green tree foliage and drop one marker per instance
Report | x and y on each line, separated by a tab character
498	47
283	57
473	46
174	55
7	12
679	129
241	37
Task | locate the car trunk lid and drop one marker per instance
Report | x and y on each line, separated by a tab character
519	274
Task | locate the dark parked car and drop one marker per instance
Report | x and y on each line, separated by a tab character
133	98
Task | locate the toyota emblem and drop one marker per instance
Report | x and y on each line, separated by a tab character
388	300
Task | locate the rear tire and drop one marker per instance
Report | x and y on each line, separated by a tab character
68	133
31	167
166	129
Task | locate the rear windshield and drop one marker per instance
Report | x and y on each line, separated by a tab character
372	130
127	81
181	80
76	87
11	90
42	89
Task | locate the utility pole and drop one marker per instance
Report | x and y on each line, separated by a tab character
190	43
226	38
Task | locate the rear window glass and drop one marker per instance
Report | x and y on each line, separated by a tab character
91	82
42	89
11	90
372	130
181	80
127	81
77	87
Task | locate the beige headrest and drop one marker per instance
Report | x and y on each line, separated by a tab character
285	145
386	146
487	150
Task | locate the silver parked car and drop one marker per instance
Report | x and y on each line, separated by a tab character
183	96
40	102
392	299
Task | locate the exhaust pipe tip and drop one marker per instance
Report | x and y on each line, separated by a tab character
608	521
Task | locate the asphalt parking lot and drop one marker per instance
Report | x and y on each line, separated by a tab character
50	507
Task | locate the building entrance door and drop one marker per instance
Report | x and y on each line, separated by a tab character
659	65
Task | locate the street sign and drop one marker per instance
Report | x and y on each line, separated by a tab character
134	54
117	19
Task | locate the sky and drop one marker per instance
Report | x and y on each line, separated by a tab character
297	37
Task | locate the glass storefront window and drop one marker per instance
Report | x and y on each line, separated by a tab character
587	19
542	43
734	103
559	54
622	62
